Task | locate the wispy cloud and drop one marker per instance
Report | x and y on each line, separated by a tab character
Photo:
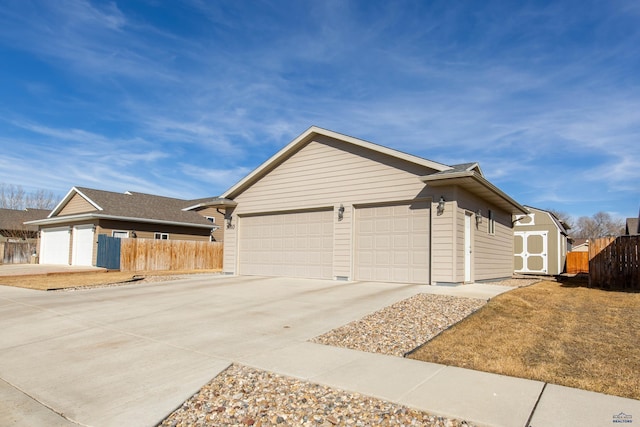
543	95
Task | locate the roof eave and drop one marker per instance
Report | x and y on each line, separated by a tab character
85	216
221	203
465	177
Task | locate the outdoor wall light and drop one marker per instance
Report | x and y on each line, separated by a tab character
478	217
441	205
134	234
340	213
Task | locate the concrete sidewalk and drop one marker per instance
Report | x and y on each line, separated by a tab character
480	397
130	355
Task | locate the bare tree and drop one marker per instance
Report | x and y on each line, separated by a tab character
600	224
11	196
14	197
41	199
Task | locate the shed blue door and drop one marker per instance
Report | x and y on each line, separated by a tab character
108	252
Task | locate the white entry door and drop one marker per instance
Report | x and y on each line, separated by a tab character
530	252
467	248
82	250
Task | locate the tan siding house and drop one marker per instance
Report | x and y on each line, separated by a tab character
69	234
336	207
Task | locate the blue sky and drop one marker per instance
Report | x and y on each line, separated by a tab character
185	98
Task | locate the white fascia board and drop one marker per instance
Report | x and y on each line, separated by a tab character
314	130
68	197
218	203
85	216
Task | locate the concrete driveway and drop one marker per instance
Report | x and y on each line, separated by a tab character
129	355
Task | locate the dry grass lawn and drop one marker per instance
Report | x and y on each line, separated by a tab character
559	333
52	281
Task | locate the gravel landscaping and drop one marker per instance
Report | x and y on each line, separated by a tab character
242	396
399	328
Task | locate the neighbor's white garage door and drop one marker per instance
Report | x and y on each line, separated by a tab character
82	253
288	244
392	243
54	246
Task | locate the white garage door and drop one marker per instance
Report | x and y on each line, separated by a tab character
54	246
82	253
392	243
291	244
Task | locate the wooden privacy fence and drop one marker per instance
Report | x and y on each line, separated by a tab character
614	263
577	262
16	252
151	254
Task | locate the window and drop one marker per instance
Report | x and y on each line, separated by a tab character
211	219
492	223
161	236
120	234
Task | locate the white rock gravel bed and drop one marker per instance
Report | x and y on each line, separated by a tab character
399	328
243	396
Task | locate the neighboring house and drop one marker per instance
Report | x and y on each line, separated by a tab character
540	243
12	227
579	245
18	242
332	206
632	227
69	234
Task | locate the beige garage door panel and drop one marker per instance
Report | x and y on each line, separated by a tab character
392	243
292	244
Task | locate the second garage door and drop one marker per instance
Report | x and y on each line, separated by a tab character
392	243
296	244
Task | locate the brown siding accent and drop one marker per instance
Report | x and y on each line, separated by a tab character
77	204
218	235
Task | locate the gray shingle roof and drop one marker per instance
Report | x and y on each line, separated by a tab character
12	219
143	206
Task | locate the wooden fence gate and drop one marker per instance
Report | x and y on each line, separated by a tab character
614	263
108	252
577	262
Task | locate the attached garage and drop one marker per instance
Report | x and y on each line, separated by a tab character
54	245
331	206
297	244
392	243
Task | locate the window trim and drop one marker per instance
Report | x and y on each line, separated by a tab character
491	223
113	234
160	236
211	219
